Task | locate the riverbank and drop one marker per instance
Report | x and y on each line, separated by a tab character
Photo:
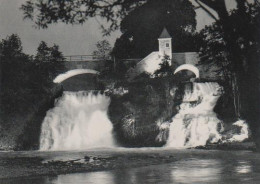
36	163
88	162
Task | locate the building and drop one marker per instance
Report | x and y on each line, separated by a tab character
150	63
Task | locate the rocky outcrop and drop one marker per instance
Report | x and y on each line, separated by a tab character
30	136
138	114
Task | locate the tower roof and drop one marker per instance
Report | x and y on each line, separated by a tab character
165	34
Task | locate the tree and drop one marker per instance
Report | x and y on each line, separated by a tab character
23	79
43	52
25	92
44	13
50	60
165	69
48	54
55	54
237	35
229	43
20	77
103	50
142	27
13	61
230	29
11	46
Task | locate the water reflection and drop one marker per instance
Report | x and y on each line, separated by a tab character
185	171
31	180
89	178
196	171
182	171
220	169
244	167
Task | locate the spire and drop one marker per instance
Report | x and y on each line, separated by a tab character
164	34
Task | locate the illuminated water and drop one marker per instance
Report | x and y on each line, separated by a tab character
78	121
196	124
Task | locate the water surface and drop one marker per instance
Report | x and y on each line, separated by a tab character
188	166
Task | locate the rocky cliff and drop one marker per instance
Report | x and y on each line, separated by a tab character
138	114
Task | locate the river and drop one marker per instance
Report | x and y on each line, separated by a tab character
137	165
79	121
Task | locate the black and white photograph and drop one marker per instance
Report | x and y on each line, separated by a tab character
129	91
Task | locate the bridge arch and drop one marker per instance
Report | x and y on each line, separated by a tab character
62	77
189	67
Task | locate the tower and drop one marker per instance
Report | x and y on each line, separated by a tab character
165	43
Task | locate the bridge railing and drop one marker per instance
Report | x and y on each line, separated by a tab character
75	58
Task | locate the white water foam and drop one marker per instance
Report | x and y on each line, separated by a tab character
78	121
244	132
62	77
196	123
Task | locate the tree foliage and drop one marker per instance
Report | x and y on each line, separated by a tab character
48	54
50	60
165	69
24	80
103	50
55	54
11	46
43	52
13	62
142	27
215	46
232	43
44	12
237	31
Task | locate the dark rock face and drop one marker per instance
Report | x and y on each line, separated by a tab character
225	108
21	130
138	114
30	136
235	146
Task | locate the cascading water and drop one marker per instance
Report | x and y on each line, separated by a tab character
78	121
196	122
242	135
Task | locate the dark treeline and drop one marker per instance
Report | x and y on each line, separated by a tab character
142	27
25	81
26	77
232	45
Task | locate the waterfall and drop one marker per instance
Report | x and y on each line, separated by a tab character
78	121
196	123
242	135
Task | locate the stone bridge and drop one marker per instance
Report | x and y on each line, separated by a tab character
84	62
81	73
82	70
